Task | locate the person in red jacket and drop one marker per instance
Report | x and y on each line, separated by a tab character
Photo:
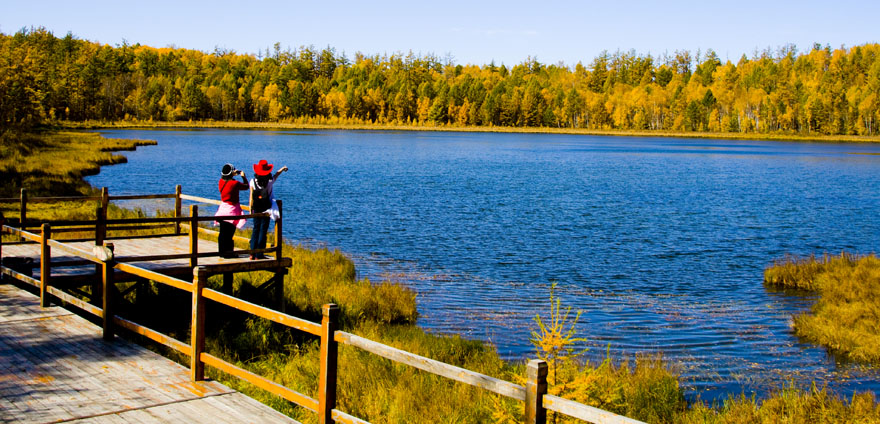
229	205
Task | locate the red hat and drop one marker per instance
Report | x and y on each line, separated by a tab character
263	168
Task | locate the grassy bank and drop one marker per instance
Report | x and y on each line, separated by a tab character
54	163
846	318
379	391
356	124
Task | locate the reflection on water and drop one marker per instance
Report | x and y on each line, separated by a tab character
660	242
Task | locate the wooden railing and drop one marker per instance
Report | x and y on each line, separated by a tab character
101	225
534	395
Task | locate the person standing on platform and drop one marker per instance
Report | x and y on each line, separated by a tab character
262	200
229	205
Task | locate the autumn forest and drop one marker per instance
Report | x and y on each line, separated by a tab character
820	91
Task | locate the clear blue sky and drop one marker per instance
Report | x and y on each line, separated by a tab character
474	31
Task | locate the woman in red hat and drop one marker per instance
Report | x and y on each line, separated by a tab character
261	201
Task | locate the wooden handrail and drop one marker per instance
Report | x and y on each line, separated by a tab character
62	199
154	276
342	417
585	412
261	382
263	312
208	201
19	276
153	335
143	196
73	251
22	233
491	384
92	309
256	265
199	199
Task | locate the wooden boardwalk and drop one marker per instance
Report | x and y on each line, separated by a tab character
55	367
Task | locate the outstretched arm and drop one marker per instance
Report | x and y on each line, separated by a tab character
283	169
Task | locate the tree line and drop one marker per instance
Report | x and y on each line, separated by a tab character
820	91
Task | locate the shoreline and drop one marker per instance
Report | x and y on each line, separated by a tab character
92	125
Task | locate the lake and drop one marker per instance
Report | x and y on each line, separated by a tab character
660	242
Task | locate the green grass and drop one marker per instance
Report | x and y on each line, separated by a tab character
846	318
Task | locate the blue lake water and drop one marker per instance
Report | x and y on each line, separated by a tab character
660	242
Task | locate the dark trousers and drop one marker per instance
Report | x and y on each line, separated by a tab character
258	237
224	241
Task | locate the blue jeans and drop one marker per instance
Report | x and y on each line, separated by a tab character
258	237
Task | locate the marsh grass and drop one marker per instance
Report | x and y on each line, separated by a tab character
54	163
802	273
846	318
788	405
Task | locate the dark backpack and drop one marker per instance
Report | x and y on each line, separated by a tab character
262	198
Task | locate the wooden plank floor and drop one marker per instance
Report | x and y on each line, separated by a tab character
55	367
168	245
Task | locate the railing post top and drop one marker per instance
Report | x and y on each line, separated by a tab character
330	310
200	271
536	368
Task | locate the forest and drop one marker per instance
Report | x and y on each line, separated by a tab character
823	91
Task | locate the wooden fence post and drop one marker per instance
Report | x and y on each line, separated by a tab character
100	226
45	261
279	245
197	336
105	200
107	289
22	212
100	236
177	191
228	282
193	236
278	238
536	388
327	372
281	290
